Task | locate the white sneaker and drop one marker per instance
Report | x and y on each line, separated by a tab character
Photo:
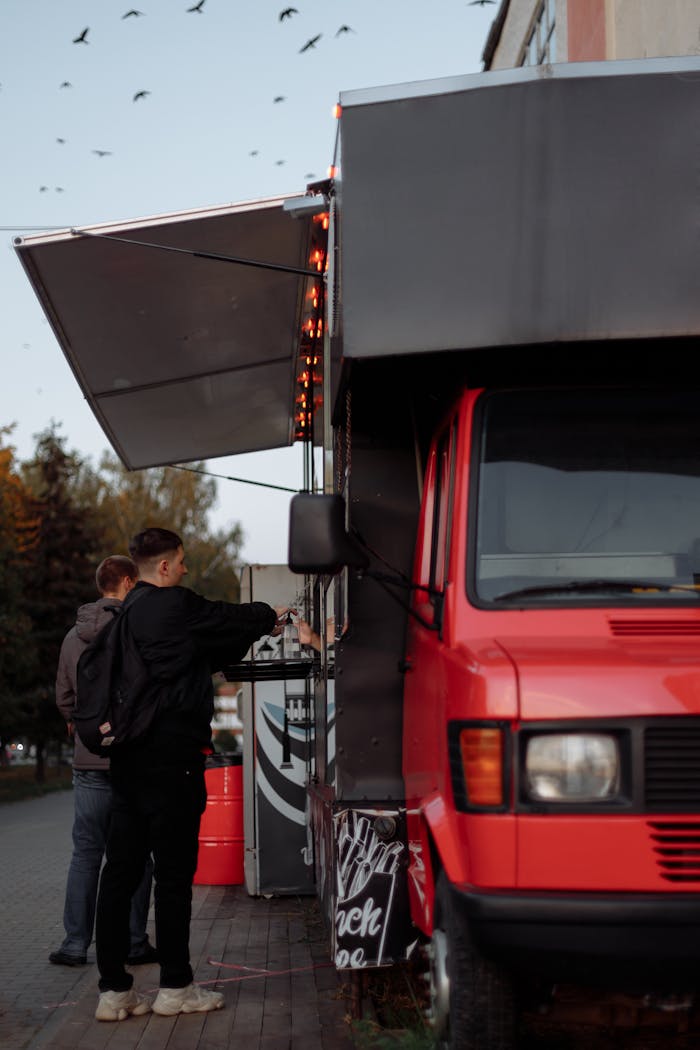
188	1000
116	1006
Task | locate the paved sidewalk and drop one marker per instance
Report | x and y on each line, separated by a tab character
268	957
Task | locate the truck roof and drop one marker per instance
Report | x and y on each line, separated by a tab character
527	206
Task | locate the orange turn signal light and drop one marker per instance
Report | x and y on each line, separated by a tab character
482	761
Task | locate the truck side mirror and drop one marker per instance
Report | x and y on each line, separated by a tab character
318	542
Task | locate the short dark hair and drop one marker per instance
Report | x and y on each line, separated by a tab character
153	543
112	571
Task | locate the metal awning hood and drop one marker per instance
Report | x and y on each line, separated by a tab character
180	357
541	205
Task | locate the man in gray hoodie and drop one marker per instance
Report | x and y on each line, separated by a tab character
115	577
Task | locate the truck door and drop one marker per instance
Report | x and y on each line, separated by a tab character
424	696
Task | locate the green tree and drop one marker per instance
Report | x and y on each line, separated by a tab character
18	536
60	576
59	517
129	501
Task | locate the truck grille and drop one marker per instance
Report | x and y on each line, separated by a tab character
623	628
672	765
676	845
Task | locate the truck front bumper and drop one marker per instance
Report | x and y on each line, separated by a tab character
585	932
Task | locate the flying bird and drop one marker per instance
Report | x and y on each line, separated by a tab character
345	29
253	153
132	14
279	98
43	189
480	3
61	142
59	189
82	39
197	7
287	13
103	152
279	162
310	43
141	94
66	83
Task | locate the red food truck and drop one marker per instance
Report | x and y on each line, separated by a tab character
488	320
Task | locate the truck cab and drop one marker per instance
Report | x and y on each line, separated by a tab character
552	687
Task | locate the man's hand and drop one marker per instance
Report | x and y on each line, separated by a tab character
282	613
307	636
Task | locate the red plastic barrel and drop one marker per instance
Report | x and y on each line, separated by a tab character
221	829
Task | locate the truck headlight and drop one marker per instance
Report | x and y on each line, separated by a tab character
572	767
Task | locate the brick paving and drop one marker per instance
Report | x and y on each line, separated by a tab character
298	1004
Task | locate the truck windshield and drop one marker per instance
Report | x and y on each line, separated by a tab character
589	497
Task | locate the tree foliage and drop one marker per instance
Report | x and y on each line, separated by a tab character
61	575
172	498
18	537
59	517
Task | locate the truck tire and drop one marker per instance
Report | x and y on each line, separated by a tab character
474	1008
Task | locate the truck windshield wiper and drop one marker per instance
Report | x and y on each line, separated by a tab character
592	586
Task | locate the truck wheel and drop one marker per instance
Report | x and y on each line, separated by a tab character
472	1002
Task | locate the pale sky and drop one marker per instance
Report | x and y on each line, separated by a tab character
212	79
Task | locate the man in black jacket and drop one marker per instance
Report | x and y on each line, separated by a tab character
158	784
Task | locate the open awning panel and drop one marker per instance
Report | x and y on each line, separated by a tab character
180	357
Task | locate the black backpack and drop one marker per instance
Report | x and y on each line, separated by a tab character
111	708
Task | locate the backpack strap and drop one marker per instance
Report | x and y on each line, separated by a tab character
132	597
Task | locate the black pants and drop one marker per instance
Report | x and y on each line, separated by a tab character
155	810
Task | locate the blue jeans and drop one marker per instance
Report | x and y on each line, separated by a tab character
93	803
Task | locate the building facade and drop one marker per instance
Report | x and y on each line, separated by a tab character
536	32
